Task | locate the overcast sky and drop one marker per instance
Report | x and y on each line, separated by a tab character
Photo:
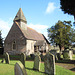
40	14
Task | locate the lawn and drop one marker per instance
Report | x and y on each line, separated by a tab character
8	69
73	56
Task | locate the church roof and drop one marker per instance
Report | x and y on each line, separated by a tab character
20	16
40	43
31	33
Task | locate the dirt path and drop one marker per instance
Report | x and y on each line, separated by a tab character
67	66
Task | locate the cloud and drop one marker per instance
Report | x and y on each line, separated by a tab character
50	8
39	28
5	27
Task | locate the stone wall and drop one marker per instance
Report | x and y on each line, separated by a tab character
15	35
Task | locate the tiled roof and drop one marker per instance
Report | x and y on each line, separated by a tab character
41	42
31	33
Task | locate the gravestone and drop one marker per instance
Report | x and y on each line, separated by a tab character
49	63
23	58
7	59
37	61
2	60
19	69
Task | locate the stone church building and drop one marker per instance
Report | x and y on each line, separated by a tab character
24	39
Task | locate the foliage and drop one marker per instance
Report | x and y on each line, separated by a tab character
60	33
68	6
1	40
66	55
8	69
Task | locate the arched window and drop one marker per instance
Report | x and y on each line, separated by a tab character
14	45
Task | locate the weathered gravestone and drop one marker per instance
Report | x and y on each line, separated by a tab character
7	59
23	58
37	62
49	63
19	69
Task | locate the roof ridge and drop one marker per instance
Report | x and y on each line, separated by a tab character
34	30
20	28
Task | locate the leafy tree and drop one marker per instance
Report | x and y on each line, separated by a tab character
60	34
1	40
68	6
73	35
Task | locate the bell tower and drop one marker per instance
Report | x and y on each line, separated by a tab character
20	18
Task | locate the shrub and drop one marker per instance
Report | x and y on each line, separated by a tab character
1	51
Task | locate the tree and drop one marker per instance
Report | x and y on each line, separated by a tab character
68	6
1	40
60	34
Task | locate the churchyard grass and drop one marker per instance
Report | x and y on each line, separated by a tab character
8	69
73	57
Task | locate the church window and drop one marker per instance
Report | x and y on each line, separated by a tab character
14	45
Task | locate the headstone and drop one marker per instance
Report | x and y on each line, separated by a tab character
7	59
55	53
23	58
49	63
19	69
37	61
2	60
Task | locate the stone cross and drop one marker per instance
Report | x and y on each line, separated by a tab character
7	59
37	61
49	63
23	58
19	69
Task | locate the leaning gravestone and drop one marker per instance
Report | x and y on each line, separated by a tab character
23	58
37	61
7	59
19	69
49	63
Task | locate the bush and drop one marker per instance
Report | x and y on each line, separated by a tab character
1	51
14	57
30	57
66	55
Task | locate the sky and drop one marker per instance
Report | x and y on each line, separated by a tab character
40	14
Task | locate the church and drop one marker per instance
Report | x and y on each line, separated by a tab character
23	39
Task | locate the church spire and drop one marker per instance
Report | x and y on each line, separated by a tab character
20	16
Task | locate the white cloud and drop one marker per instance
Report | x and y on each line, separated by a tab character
39	28
50	7
5	26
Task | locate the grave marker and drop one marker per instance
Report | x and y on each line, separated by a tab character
23	58
37	61
7	59
49	64
19	69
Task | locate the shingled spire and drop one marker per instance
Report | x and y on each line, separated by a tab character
20	18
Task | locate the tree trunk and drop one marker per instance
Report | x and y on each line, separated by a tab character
60	47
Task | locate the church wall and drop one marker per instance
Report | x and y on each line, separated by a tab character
30	47
15	36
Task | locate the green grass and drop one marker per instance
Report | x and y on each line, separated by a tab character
73	57
8	69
